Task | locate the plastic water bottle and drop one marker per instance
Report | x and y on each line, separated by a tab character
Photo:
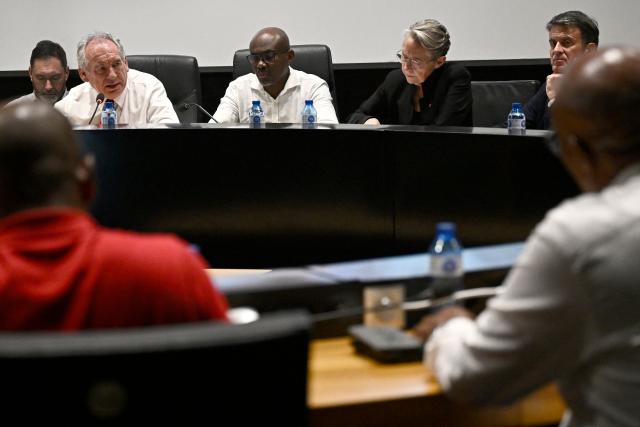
445	253
109	118
516	122
309	115
256	115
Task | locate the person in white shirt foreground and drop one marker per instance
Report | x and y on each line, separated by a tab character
280	89
140	98
569	311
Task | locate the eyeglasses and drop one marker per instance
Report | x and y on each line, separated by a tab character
267	57
412	62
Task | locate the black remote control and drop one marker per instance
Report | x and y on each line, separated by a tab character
386	344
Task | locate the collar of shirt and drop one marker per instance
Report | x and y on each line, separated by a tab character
119	101
626	174
32	95
292	82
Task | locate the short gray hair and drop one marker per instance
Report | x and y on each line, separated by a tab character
82	46
432	35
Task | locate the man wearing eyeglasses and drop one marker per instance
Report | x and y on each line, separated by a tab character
48	72
569	310
280	89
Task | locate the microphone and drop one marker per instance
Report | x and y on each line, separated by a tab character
193	104
99	100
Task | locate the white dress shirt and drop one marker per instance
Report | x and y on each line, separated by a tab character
286	108
30	97
142	101
570	313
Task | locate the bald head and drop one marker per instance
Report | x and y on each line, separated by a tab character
270	57
40	161
599	98
272	36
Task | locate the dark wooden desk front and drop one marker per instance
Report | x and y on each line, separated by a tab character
283	196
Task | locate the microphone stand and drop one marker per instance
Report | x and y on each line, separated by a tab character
193	104
99	100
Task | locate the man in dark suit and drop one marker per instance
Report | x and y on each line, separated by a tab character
571	34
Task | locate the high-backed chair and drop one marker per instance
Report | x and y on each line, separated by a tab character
180	76
310	58
201	373
492	99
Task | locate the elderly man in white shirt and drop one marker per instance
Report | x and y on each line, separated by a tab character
280	89
569	310
140	98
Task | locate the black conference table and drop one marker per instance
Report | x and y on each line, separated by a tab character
286	196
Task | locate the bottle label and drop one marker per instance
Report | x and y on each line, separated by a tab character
309	121
446	266
517	123
109	119
516	126
256	119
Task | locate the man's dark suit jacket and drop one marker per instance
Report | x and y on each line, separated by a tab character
536	110
447	99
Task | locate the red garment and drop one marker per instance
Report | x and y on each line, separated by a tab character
61	270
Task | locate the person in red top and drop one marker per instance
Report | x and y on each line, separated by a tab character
59	269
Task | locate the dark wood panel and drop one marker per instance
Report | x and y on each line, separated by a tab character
249	197
285	196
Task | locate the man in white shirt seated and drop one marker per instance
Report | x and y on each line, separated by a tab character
48	72
569	310
139	97
280	89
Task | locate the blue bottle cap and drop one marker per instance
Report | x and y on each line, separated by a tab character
108	103
446	228
255	103
308	102
516	106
